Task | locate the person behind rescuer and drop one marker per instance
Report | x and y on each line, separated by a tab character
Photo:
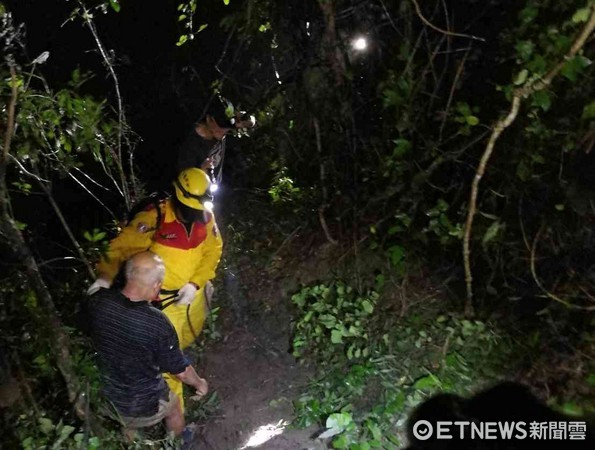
135	343
204	147
183	232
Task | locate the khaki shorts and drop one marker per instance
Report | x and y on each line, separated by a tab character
165	408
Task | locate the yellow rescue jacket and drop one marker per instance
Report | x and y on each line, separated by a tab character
188	257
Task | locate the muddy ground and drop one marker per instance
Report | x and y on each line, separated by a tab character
252	372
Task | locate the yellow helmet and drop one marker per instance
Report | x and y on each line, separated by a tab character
192	188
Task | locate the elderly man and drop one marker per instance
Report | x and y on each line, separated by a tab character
183	232
136	343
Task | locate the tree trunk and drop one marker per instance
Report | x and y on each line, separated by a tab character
14	241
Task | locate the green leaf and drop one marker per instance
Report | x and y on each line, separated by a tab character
524	49
93	443
336	337
426	382
45	425
528	14
574	67
463	108
226	2
523	171
491	232
559	207
396	254
182	40
582	15
542	100
115	5
394	229
589	111
521	77
375	430
472	120
202	27
65	432
537	65
380	280
572	409
336	423
402	147
341	442
368	306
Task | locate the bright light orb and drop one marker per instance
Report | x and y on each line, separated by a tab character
213	188
209	206
360	44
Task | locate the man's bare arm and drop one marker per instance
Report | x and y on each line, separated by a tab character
191	378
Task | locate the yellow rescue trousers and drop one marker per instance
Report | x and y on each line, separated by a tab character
188	322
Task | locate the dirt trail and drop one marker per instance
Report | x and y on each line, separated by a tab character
255	378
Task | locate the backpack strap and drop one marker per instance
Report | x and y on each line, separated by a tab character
154	201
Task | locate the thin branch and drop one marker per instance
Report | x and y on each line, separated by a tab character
422	177
440	30
60	341
223	53
287	240
67	229
540	285
26	172
389	18
452	91
53	260
121	120
96	183
499	127
65	169
9	124
324	205
522	225
79	182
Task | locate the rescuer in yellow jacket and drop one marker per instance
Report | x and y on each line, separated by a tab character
185	235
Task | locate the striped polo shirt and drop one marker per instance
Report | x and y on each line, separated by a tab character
135	344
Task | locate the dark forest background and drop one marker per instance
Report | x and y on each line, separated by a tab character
354	192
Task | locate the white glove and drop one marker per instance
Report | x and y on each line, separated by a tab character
99	283
186	294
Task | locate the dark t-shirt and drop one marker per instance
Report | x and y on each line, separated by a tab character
135	344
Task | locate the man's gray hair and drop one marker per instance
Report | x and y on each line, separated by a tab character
146	270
